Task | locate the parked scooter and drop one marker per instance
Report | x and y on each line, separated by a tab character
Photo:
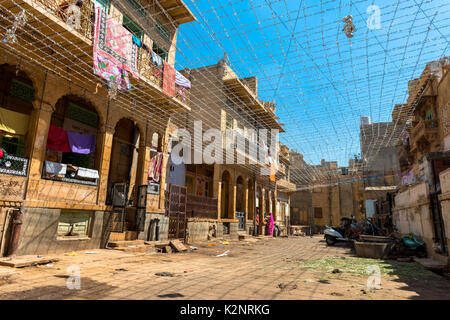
348	232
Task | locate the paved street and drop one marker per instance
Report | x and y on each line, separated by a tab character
282	268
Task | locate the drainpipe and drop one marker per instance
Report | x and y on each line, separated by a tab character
17	217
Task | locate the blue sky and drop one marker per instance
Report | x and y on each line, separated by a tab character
321	81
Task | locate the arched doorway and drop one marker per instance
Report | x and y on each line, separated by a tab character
124	162
72	151
225	195
240	194
16	109
250	200
240	202
259	212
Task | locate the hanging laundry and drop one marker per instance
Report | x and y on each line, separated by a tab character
156	59
81	143
57	139
169	79
155	170
13	123
182	80
55	169
137	41
114	42
111	73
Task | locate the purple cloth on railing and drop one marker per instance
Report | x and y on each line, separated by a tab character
81	143
182	80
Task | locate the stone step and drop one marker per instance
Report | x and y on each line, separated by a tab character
121	236
137	249
125	243
430	264
158	244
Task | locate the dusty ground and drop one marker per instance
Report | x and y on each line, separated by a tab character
294	268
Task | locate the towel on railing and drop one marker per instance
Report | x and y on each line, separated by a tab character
155	170
114	42
137	41
156	59
87	173
57	139
81	143
111	73
55	168
169	79
182	80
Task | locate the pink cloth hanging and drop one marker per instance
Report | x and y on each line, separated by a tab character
270	225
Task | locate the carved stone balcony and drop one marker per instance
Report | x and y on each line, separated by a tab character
424	132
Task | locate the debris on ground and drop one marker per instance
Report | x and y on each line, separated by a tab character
72	254
50	265
360	266
363	291
408	259
337	294
188	271
91	252
121	269
223	254
167	249
324	281
212	244
193	248
177	246
26	261
171	295
284	286
225	242
164	274
336	271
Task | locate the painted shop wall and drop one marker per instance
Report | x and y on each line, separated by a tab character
445	202
412	213
39	234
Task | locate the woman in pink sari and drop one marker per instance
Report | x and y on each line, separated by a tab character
270	225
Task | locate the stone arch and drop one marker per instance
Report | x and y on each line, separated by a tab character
250	199
240	193
75	114
17	108
226	194
125	160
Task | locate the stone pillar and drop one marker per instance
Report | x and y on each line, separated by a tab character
233	200
162	181
219	198
107	135
38	150
143	165
246	207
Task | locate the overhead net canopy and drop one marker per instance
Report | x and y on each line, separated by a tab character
324	64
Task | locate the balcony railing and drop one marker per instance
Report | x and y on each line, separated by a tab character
67	173
146	68
14	165
59	9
